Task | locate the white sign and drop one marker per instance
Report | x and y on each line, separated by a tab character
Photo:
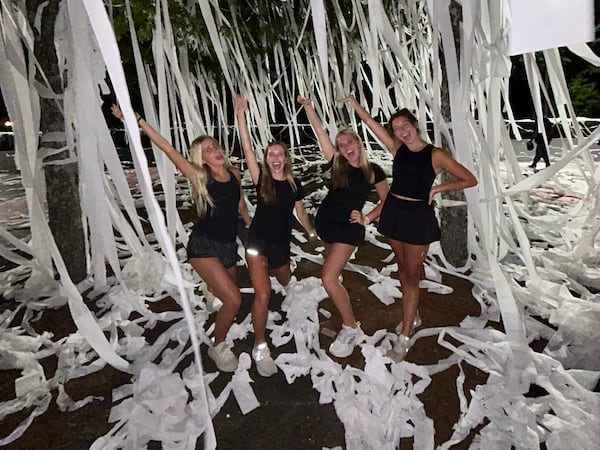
542	24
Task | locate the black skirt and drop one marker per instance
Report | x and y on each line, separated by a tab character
332	228
413	222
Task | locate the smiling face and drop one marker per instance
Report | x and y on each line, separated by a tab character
212	153
349	146
277	160
404	126
404	129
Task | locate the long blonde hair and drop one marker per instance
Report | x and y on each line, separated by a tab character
339	175
200	195
267	189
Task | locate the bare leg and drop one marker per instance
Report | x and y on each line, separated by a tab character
410	260
283	274
259	275
221	282
338	255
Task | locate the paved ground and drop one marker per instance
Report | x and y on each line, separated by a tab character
290	416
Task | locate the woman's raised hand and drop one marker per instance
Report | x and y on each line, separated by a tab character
304	101
241	104
347	99
116	111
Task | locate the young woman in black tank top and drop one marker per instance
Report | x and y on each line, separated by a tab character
408	203
340	222
268	249
212	245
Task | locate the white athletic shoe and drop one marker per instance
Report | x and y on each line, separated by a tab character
398	352
264	362
223	357
346	340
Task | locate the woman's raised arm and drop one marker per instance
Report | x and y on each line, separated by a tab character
182	164
241	106
391	143
325	143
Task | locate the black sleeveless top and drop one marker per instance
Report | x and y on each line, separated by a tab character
274	221
220	221
413	173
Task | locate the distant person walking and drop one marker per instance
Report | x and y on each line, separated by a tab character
408	217
340	222
268	246
212	247
541	151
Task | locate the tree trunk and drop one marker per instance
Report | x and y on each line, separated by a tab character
62	178
453	218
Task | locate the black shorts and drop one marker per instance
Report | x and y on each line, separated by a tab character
277	254
331	228
413	222
200	246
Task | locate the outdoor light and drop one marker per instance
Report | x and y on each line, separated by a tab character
252	252
8	124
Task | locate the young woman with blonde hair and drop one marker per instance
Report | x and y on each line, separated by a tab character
340	222
212	247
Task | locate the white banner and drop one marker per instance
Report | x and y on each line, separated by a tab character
542	24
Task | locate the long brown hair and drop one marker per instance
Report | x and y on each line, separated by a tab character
267	188
339	177
200	195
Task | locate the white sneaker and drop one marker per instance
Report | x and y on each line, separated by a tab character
264	362
398	353
223	357
416	323
346	340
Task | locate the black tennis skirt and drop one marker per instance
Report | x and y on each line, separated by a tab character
332	228
413	222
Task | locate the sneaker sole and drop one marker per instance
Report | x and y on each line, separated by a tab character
266	374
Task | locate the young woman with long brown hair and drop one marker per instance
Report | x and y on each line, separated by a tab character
268	247
408	217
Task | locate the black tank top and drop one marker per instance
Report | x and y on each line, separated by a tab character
413	173
220	221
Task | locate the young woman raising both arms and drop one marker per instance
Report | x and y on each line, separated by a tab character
268	248
212	247
408	217
340	222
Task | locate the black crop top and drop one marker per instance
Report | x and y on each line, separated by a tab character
413	173
220	221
